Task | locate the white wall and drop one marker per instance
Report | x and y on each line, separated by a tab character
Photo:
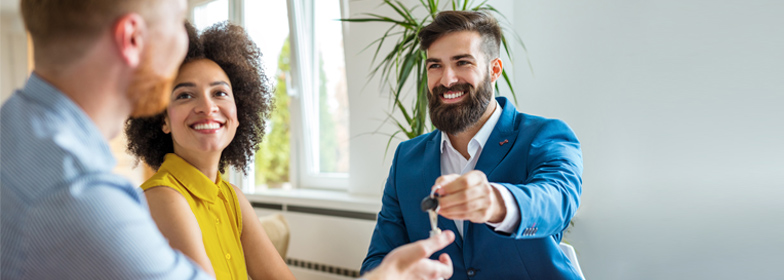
367	105
678	106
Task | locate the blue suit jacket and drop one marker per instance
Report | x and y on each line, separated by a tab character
541	164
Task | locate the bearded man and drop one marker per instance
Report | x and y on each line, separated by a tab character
508	182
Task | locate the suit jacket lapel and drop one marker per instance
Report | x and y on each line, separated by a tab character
431	170
500	141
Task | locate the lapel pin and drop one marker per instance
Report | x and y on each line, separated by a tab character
503	142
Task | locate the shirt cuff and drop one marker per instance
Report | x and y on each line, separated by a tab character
512	219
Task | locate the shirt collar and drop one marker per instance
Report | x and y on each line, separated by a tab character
481	136
191	178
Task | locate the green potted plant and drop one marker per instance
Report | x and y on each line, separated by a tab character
406	60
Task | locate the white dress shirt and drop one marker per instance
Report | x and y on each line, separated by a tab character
452	162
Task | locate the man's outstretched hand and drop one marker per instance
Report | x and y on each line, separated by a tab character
411	261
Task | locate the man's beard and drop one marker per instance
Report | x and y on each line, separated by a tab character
456	118
149	92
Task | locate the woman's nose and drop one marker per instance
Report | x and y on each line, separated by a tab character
206	105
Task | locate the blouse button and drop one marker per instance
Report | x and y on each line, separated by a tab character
228	256
217	221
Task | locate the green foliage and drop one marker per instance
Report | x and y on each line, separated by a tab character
272	157
406	59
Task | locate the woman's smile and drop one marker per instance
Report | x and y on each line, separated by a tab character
207	126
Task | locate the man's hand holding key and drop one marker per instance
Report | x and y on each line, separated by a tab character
430	205
469	197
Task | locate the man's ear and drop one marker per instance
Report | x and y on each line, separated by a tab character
129	33
496	68
166	126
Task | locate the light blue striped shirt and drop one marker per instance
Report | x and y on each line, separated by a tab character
63	214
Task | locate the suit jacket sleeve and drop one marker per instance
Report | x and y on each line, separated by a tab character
390	231
549	197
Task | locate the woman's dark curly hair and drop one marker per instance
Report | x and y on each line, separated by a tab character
232	49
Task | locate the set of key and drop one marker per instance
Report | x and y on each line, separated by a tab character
430	205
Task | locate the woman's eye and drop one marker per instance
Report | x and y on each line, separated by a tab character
183	95
221	93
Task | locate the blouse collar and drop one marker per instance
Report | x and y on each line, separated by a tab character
191	178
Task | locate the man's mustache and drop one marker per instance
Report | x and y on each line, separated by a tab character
465	87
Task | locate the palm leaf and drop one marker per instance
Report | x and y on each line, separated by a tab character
391	137
509	83
378	18
400	10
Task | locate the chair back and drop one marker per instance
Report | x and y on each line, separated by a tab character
572	255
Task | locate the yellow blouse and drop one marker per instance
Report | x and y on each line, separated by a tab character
216	209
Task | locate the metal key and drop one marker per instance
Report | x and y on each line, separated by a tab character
430	205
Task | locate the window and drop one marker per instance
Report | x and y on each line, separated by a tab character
208	13
306	144
273	159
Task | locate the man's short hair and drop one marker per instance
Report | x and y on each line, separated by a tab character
453	21
70	26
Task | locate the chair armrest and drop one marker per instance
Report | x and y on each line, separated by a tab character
277	229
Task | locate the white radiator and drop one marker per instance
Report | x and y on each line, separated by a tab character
325	243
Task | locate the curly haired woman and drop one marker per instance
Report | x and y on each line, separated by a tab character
215	118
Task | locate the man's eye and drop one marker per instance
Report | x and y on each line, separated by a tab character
433	66
463	62
183	95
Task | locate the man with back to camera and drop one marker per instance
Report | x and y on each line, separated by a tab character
63	214
508	182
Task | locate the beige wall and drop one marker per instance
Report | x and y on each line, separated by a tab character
13	54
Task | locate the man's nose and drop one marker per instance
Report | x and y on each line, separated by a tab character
448	78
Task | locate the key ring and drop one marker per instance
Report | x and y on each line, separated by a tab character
430	202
